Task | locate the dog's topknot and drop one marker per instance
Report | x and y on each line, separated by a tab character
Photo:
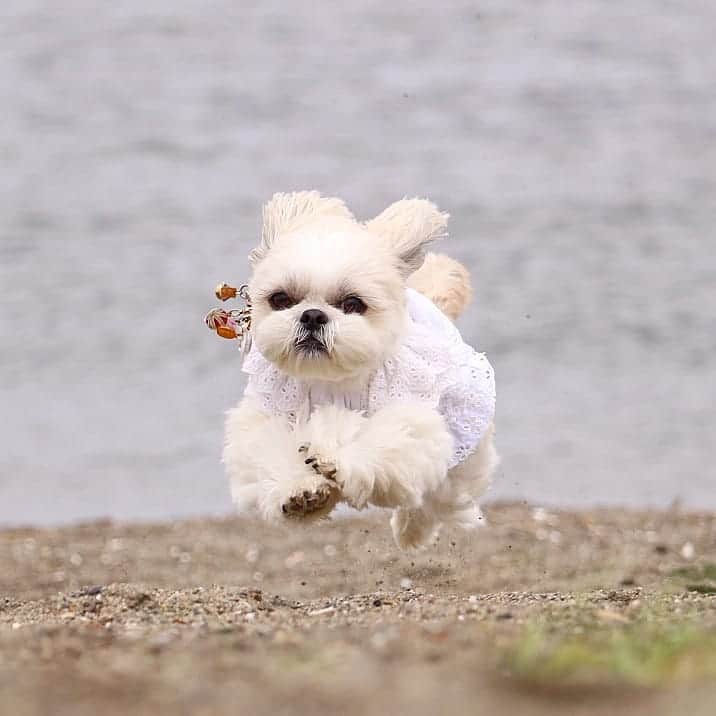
287	212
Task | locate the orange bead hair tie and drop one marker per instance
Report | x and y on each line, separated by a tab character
235	323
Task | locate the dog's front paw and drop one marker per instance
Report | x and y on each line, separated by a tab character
320	464
311	501
354	489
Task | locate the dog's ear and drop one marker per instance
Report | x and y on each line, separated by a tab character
287	212
408	226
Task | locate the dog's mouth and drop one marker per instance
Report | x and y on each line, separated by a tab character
311	346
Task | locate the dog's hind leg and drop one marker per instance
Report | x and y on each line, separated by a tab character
413	528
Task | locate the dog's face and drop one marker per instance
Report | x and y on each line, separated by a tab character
328	293
327	305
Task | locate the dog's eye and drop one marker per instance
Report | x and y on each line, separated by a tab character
280	301
353	304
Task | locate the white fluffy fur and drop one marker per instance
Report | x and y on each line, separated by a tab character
445	281
409	226
286	212
312	248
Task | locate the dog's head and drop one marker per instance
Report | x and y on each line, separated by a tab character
327	292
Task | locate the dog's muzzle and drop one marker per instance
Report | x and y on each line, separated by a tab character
311	344
314	334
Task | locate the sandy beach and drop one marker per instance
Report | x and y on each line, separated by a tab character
231	616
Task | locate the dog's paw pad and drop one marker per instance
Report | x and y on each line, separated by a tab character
308	501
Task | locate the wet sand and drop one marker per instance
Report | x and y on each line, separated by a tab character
230	616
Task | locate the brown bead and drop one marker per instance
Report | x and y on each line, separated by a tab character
224	292
226	332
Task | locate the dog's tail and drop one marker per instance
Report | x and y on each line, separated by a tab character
445	281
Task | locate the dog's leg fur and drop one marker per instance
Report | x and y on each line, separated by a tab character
394	458
397	458
453	503
266	476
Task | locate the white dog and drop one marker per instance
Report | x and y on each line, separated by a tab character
360	388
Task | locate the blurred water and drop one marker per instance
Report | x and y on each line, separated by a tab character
573	143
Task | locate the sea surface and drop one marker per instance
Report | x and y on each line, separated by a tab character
573	143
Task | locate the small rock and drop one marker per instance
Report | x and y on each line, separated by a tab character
539	514
319	612
406	583
688	551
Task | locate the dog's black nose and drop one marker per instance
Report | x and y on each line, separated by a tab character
313	318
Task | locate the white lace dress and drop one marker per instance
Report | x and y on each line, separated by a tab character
432	364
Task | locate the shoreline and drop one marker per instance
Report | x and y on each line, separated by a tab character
675	507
